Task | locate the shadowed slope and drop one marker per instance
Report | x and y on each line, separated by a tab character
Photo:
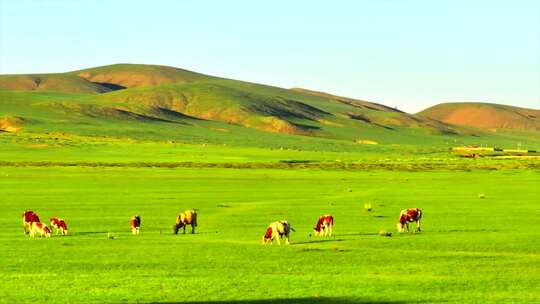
217	102
485	115
379	115
349	101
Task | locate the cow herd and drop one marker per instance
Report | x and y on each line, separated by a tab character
33	226
274	232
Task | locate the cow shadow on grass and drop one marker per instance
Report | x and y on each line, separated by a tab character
92	232
312	300
466	230
358	233
317	241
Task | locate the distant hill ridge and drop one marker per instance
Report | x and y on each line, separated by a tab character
138	75
485	115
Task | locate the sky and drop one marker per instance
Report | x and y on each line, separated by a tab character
402	53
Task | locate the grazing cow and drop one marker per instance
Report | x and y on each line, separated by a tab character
325	225
28	218
39	228
409	215
277	230
59	225
188	217
135	224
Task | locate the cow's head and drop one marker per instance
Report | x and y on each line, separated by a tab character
47	231
401	223
317	230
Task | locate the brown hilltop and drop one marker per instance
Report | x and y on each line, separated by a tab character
485	116
138	75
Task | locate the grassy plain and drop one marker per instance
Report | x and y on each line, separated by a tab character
472	250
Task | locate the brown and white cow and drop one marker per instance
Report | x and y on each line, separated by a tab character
188	217
28	218
407	216
277	230
135	224
59	226
40	229
325	226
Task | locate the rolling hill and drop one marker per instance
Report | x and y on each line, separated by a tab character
485	115
166	103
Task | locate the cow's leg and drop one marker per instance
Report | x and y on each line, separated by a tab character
407	225
277	237
287	240
330	228
418	225
192	229
184	229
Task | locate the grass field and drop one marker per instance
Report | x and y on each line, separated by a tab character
472	250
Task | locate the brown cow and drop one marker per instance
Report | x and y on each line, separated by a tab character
28	218
135	224
188	217
59	225
325	225
277	230
39	228
409	215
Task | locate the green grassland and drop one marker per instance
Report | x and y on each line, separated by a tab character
472	250
100	145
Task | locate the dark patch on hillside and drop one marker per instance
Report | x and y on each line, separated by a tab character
110	86
284	108
362	104
365	119
174	114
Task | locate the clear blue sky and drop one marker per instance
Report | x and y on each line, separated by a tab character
409	54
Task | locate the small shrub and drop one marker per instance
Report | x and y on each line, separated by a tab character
368	207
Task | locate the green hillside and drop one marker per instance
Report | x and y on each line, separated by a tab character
149	102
